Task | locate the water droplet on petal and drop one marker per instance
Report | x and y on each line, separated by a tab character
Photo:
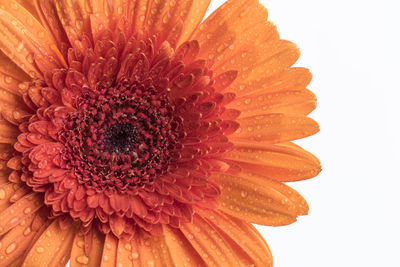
27	231
27	210
11	248
128	247
135	255
8	79
2	193
82	259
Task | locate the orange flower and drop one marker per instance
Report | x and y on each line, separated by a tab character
132	134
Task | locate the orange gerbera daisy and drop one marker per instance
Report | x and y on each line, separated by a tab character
133	134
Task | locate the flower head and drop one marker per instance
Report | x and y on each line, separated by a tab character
133	133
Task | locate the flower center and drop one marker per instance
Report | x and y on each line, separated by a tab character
119	137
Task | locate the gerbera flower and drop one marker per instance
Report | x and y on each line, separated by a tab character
133	134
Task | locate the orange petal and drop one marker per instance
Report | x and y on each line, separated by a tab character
23	36
259	200
3	180
48	16
225	31
156	11
16	263
99	19
78	254
193	18
8	133
16	241
138	11
74	18
174	20
152	251
53	247
281	162
109	257
241	235
254	76
9	99
6	191
120	7
181	251
29	6
18	211
291	79
211	246
293	101
124	253
274	128
117	224
9	69
100	8
9	83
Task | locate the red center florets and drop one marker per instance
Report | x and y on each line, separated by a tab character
127	135
120	137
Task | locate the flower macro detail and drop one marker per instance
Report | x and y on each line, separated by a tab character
134	134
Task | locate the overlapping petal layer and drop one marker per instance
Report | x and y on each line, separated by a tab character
209	109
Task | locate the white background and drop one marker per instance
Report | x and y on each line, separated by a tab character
352	48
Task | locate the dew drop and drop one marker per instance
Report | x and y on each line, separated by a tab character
190	236
135	255
150	263
32	74
27	210
27	231
11	248
128	247
244	194
39	249
8	79
79	24
2	193
82	259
